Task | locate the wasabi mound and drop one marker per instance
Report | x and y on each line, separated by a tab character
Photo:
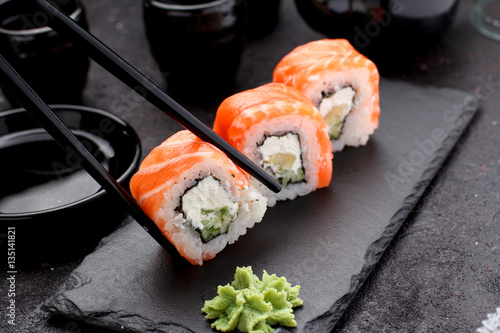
252	305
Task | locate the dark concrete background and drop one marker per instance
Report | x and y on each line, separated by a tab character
442	271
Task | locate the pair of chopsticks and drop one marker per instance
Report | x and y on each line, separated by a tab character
40	111
95	49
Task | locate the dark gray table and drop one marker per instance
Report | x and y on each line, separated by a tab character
442	271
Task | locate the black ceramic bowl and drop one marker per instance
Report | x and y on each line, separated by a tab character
197	44
262	17
53	67
53	205
389	32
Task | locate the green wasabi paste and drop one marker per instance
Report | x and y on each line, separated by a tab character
252	305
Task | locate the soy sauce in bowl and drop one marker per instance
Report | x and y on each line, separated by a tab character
43	176
56	208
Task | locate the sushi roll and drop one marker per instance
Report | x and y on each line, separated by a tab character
342	83
197	197
278	128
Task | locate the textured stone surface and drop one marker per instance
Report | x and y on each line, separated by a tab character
439	274
327	242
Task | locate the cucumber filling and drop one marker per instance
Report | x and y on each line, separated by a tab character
281	156
209	208
216	221
335	108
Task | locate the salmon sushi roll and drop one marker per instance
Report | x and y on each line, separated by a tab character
278	128
197	197
342	83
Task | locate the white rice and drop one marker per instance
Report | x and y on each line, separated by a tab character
252	206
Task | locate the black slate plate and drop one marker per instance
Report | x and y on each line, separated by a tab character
328	241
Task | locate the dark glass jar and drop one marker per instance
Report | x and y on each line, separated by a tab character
386	31
262	16
55	69
197	44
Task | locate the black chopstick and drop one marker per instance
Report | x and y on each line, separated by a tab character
125	72
41	112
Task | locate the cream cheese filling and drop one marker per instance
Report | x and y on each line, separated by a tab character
209	208
282	156
335	108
